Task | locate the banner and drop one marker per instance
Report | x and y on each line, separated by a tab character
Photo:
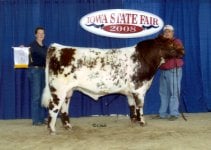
122	23
21	57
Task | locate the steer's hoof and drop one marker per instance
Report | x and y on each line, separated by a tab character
142	124
68	127
52	133
133	120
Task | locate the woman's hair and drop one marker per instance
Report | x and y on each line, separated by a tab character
38	28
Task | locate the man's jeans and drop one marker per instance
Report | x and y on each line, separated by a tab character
169	91
37	82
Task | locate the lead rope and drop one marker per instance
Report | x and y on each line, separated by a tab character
178	93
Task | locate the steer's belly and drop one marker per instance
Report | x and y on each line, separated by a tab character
97	84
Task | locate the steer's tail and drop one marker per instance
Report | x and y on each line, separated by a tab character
46	95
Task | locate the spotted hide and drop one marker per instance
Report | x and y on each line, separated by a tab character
98	72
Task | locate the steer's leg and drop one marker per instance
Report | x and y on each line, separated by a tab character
139	94
64	113
132	106
54	108
139	100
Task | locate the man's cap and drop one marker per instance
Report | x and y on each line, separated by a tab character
168	27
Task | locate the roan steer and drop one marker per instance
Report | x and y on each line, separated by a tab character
98	72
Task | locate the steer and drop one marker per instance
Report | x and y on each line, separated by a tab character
98	72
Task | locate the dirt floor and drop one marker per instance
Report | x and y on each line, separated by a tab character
110	133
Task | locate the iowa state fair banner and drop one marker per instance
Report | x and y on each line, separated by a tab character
21	57
121	23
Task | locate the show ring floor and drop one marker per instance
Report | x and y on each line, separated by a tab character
110	133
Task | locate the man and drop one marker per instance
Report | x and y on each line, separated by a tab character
38	53
170	79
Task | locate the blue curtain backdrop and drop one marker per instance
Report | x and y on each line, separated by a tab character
18	18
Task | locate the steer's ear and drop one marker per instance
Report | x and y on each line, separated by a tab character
161	39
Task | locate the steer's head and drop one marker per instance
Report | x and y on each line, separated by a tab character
168	49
